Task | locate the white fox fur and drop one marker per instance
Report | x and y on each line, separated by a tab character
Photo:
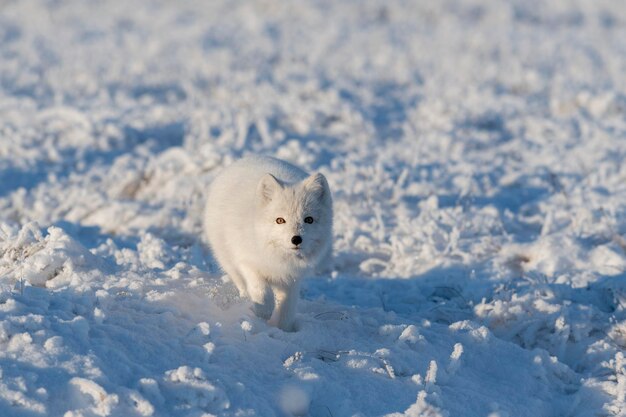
254	248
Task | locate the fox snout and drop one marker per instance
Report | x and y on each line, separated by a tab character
296	240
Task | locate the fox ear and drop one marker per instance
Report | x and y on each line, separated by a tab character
316	184
267	188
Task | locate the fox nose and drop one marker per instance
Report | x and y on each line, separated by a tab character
296	240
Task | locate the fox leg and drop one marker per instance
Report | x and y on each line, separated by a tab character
285	299
236	278
259	292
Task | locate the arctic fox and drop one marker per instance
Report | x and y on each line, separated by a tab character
269	223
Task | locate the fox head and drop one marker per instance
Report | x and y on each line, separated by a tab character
294	221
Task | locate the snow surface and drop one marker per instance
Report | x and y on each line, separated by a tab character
476	153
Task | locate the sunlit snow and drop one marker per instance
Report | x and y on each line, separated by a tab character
475	150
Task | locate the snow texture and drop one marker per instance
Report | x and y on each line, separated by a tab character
475	150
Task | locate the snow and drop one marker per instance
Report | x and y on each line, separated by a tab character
475	151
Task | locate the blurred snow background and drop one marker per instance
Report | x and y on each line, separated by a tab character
476	153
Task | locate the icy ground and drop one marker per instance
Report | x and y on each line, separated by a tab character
476	154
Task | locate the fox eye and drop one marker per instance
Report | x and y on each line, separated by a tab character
308	220
280	220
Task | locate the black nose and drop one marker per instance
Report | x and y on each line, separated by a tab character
296	240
